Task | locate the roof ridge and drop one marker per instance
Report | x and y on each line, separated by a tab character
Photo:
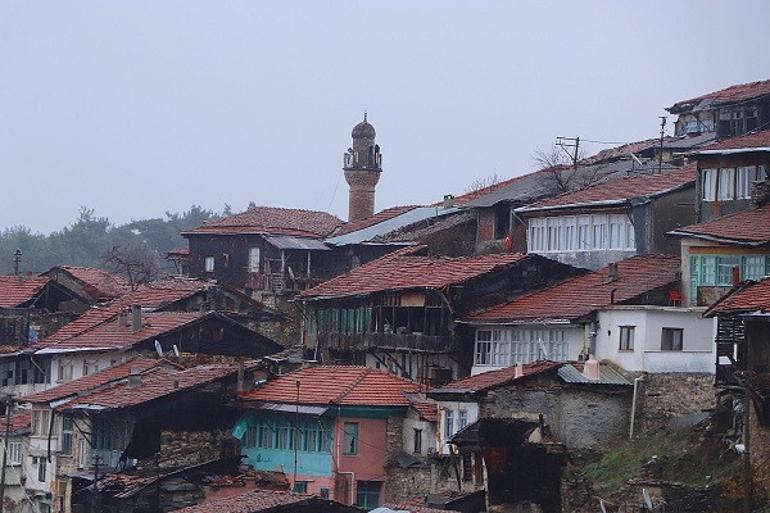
353	385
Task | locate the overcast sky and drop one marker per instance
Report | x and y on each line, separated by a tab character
134	108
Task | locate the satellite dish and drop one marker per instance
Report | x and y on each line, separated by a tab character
176	351
647	498
158	348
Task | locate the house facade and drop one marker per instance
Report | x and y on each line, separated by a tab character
336	430
399	312
612	221
560	322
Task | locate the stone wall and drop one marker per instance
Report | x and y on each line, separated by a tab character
408	483
666	395
185	448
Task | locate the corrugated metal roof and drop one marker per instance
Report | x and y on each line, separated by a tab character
607	376
289	242
389	225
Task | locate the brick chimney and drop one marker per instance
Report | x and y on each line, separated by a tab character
591	369
134	378
136	317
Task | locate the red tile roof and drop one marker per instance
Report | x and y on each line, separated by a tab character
733	94
493	378
745	142
621	190
750	227
19	422
93	381
99	284
110	335
382	215
427	411
272	220
249	502
156	383
340	385
403	270
579	296
17	290
154	296
746	297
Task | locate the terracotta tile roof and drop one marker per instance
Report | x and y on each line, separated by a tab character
98	284
382	215
272	220
96	380
579	296
746	297
493	378
17	290
19	422
340	385
110	335
750	227
403	269
620	190
427	411
249	502
153	296
756	140
733	94
156	383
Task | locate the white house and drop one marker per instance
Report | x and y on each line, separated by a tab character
647	338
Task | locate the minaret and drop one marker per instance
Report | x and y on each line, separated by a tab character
363	165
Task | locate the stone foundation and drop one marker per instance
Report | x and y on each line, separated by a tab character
666	395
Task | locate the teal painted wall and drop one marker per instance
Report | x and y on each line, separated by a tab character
267	442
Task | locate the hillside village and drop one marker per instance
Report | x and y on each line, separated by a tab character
585	337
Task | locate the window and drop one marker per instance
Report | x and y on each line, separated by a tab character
82	453
66	435
350	438
753	267
449	423
64	373
584	235
709	184
14	453
324	493
598	234
265	436
41	469
725	266
726	183
368	494
569	235
90	366
671	339
253	260
616	235
208	264
250	437
483	347
40	422
626	338
417	441
463	418
300	486
467	466
101	436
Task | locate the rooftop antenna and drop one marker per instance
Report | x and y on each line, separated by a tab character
662	133
16	261
364	114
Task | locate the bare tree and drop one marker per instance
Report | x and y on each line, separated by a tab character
138	263
483	182
563	175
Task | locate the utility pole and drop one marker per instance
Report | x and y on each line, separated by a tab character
660	152
748	489
566	143
95	495
16	261
8	406
296	432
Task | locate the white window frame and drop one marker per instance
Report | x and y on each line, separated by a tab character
82	453
209	264
726	188
483	349
709	184
254	259
14	453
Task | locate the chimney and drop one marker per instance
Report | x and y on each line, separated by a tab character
519	372
136	317
122	318
612	272
591	368
134	379
449	200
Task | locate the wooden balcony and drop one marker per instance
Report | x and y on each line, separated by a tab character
412	342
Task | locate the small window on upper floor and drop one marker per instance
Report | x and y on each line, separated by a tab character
626	338
208	264
709	184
